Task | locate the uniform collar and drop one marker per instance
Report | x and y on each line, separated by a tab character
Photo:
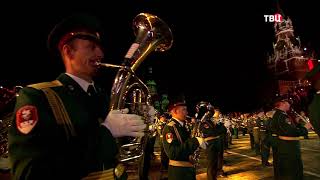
180	122
82	83
283	112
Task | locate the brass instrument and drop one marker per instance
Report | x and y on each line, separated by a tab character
305	120
152	34
208	114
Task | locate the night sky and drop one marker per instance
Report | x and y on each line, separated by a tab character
218	54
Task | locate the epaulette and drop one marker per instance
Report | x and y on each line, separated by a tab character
171	123
44	85
284	113
270	113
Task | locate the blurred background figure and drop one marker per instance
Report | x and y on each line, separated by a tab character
288	163
303	116
313	109
219	121
264	138
163	119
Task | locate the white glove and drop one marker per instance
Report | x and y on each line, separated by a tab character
152	127
308	126
151	113
202	142
122	124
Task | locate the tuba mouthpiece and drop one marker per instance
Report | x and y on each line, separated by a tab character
109	65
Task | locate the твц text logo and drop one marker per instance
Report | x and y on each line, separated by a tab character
273	18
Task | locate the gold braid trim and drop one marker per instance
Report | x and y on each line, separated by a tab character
55	109
59	111
43	85
172	124
177	133
57	106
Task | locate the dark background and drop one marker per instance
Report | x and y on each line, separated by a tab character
219	51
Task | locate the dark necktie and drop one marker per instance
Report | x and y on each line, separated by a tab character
184	126
91	91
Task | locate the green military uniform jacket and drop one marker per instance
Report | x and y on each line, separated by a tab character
160	126
179	151
209	129
288	162
314	113
283	126
54	150
213	133
265	127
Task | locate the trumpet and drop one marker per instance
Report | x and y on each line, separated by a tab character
304	119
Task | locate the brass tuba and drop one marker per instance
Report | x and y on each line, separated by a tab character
205	112
128	91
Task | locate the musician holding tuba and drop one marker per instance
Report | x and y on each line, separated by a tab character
212	133
62	129
178	143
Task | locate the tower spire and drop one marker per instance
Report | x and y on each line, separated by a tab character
289	61
279	10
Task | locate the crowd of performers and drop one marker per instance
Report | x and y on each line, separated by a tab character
276	130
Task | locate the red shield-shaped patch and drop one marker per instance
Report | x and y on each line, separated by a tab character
206	126
288	121
169	137
26	118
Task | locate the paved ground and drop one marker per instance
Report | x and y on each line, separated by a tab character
242	163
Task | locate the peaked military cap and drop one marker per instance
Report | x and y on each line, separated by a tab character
177	101
283	98
83	26
314	74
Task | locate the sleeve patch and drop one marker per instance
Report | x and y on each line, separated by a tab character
288	121
169	137
206	126
26	118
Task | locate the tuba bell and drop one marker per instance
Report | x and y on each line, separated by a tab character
128	91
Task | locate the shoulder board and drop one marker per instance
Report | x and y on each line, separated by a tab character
270	114
171	123
283	113
44	85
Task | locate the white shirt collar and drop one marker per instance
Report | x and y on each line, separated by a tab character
180	122
83	83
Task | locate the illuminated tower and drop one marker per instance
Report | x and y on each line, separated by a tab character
289	61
